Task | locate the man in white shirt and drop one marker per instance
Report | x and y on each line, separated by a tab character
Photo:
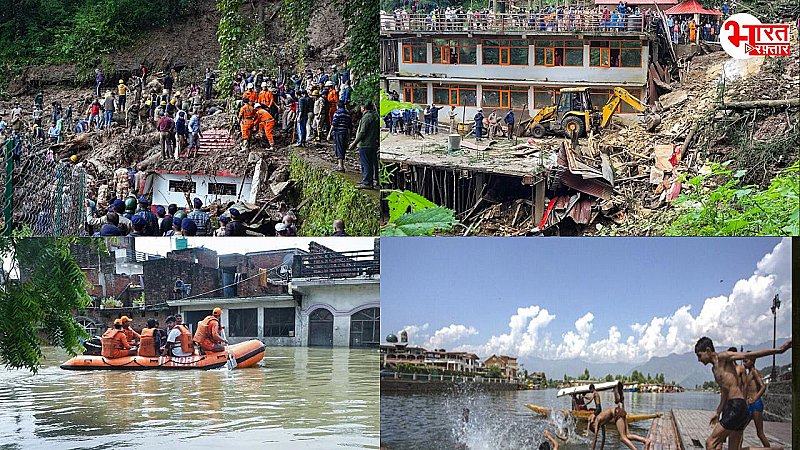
173	347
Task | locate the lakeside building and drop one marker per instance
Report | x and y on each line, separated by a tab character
402	353
507	364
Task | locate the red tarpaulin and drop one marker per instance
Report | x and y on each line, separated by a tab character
691	7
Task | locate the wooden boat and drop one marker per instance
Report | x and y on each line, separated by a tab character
584	415
247	354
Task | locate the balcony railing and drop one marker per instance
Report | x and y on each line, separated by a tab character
584	20
336	264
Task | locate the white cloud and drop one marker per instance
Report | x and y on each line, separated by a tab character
443	337
741	317
416	333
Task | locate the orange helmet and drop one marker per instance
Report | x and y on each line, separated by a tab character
117	322
124	319
217	311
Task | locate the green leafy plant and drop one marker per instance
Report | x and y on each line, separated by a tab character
411	214
362	20
328	197
51	287
735	209
110	302
388	105
229	36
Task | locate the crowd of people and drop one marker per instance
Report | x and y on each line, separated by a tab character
546	18
122	340
311	106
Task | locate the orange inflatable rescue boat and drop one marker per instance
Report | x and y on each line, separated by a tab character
247	354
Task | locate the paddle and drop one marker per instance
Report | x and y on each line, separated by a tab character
231	364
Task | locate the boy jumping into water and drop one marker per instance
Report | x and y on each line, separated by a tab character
732	404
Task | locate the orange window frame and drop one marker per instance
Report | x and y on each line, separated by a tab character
504	53
504	96
408	93
408	53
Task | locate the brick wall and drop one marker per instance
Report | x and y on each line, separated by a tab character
205	257
160	274
249	266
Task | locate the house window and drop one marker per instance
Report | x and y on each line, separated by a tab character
615	54
543	97
415	93
243	322
221	189
455	51
279	322
455	95
182	186
504	97
365	328
558	53
505	52
415	51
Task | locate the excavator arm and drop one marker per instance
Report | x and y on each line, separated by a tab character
651	119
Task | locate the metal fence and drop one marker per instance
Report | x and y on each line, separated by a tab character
584	20
40	193
337	264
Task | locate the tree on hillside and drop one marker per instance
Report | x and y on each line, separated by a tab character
586	374
42	300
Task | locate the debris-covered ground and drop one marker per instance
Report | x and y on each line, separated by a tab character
189	48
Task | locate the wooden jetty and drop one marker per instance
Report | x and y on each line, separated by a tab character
688	429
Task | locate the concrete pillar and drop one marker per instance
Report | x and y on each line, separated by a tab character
260	323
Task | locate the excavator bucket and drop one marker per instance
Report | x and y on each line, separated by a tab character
651	121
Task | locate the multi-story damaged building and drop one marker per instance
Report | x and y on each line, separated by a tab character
512	59
288	297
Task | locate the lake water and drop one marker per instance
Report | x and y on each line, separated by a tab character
301	398
500	420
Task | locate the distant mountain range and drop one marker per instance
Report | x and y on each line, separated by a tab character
683	369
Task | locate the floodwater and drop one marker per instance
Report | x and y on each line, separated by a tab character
500	420
301	398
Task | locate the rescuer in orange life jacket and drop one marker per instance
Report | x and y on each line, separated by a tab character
179	339
150	339
207	335
129	333
115	343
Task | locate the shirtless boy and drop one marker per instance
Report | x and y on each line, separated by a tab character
732	403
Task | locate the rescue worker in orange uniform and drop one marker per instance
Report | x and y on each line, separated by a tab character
265	123
265	97
333	98
247	119
129	333
250	94
150	340
207	334
114	343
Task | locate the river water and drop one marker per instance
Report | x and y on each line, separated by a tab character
500	420
301	398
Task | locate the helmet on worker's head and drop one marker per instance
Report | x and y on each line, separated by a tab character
163	103
257	105
315	92
73	158
172	102
180	214
249	85
148	103
121	81
217	311
329	83
263	84
130	203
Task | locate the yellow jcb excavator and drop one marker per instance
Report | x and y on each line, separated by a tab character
573	113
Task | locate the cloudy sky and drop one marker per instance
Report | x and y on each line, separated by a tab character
609	300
